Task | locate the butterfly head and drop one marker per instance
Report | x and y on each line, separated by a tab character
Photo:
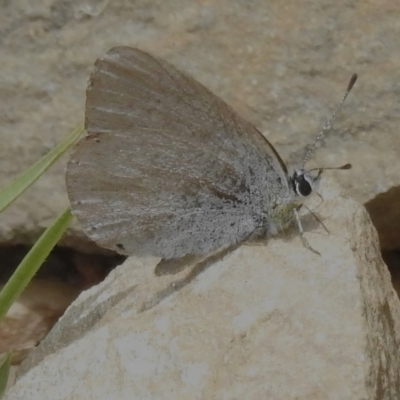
306	182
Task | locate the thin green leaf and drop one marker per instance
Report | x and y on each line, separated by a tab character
5	362
29	176
32	262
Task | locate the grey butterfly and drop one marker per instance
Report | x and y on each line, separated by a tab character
169	169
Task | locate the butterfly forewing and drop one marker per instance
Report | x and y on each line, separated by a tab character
167	168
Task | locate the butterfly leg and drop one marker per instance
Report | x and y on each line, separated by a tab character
315	216
301	231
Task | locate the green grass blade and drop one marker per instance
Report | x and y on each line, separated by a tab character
29	176
32	262
4	372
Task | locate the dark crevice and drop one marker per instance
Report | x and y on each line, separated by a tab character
63	264
384	211
61	278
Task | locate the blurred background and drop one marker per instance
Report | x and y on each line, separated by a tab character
282	65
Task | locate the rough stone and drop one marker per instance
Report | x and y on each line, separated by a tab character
270	320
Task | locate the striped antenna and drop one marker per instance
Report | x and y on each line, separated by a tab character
328	124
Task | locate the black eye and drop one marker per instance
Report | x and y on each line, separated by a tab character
303	187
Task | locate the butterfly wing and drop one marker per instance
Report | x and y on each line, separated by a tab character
167	168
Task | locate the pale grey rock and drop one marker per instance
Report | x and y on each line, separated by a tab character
269	321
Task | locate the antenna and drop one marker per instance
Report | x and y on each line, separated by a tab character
320	170
328	124
343	167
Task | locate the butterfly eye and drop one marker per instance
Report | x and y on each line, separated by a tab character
301	184
304	187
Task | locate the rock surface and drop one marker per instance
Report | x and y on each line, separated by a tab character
269	321
283	67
